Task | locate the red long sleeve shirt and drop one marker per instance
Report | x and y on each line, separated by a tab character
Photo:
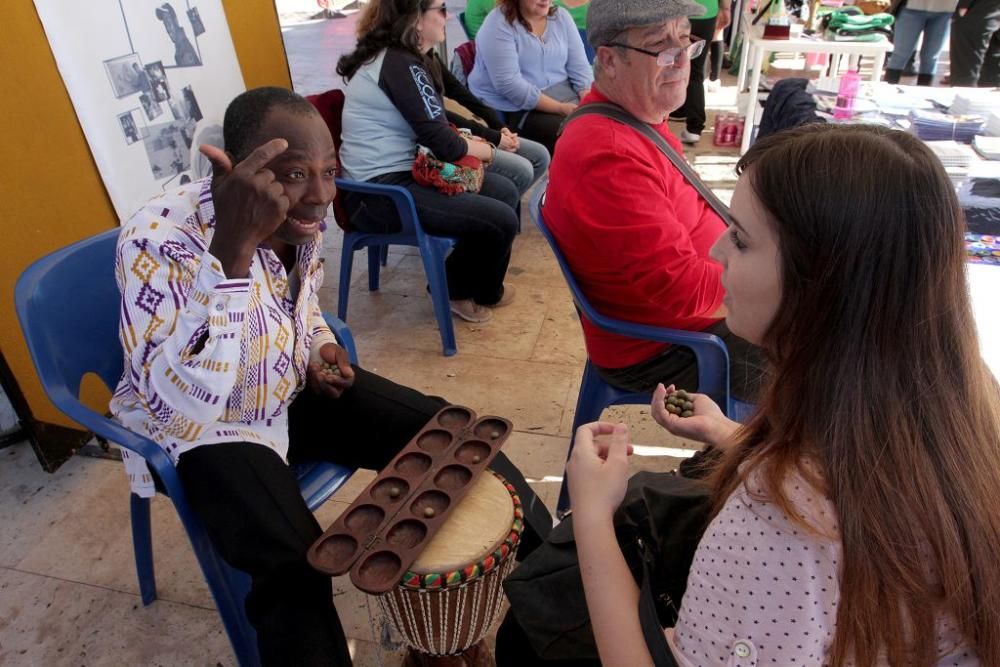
635	234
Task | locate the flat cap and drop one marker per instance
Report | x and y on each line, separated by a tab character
607	18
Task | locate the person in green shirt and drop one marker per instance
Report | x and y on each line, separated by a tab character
476	11
716	17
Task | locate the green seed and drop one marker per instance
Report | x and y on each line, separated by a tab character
688	405
687	413
681	394
673	409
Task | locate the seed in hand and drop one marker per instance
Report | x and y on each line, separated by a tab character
329	370
679	403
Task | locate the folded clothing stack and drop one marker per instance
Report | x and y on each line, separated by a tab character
988	147
974	102
937	126
956	157
993	124
980	201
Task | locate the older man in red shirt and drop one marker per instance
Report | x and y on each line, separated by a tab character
635	232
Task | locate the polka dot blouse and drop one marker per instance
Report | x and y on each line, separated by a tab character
763	591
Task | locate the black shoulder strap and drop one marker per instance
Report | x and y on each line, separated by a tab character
615	112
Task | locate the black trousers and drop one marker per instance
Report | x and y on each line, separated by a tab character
538	126
693	109
484	225
250	503
677	365
975	45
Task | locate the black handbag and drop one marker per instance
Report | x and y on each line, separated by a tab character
658	526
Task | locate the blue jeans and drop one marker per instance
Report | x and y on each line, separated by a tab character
523	167
909	24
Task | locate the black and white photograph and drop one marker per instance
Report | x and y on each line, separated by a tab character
126	75
197	27
158	81
168	148
185	54
193	110
154	54
150	106
134	127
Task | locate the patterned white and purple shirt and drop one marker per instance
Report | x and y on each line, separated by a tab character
208	359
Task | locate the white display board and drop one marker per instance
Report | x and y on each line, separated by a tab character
150	81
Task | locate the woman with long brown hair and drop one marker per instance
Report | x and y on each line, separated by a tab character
857	514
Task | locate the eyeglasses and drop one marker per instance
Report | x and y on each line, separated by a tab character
439	8
669	57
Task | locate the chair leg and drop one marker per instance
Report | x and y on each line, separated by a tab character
142	544
433	261
344	289
595	395
374	264
385	254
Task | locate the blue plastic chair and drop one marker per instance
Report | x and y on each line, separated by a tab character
596	394
73	332
587	48
433	252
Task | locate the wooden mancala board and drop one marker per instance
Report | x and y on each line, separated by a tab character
393	519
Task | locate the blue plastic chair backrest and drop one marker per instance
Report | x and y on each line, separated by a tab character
69	304
578	298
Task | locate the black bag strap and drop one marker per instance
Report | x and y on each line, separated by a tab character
652	631
615	112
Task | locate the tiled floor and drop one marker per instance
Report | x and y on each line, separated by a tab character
68	594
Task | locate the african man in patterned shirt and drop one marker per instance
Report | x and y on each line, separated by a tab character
221	328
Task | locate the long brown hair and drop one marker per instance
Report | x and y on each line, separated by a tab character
511	10
878	380
383	23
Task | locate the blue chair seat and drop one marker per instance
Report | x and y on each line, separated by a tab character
596	394
73	332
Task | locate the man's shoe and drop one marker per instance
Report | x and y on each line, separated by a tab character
690	137
509	292
470	311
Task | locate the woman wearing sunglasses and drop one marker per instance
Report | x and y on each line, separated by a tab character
391	106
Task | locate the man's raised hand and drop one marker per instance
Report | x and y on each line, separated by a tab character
250	204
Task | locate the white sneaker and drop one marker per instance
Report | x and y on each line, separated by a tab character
689	137
713	86
470	311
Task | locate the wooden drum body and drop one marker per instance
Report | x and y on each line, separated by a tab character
452	593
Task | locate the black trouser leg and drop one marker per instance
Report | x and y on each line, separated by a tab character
717	50
975	46
538	126
250	504
484	226
693	108
514	650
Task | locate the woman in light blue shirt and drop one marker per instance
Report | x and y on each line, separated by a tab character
530	64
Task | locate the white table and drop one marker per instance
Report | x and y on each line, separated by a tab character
755	48
984	291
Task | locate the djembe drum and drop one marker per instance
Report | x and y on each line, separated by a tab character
450	596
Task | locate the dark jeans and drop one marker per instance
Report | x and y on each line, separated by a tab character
717	52
677	365
693	109
538	126
975	46
483	224
250	503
